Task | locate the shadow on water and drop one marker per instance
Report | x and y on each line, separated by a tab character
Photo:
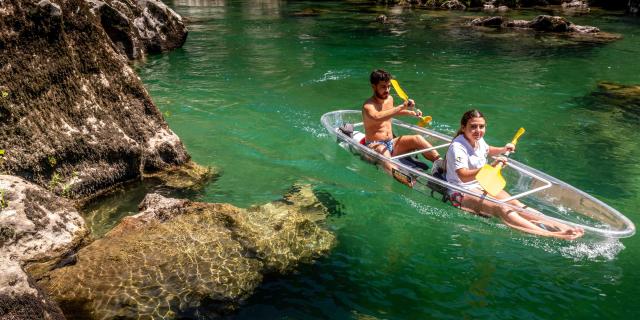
335	208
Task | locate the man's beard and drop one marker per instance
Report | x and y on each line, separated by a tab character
382	96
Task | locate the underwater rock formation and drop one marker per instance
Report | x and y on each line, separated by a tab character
177	254
620	98
35	225
74	117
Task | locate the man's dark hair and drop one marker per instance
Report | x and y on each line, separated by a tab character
379	75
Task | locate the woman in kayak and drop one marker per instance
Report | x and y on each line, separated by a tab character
466	156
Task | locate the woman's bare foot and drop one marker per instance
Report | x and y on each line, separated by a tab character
569	234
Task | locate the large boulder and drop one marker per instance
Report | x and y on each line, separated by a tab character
137	27
74	117
549	24
176	255
453	5
633	7
35	226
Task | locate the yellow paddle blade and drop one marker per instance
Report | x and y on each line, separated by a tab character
491	179
424	121
517	136
399	91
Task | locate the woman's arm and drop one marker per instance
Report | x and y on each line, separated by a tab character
466	175
494	151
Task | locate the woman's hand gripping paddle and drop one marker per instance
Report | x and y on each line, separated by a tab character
490	178
403	95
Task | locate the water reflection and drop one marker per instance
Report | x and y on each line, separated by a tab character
200	3
262	9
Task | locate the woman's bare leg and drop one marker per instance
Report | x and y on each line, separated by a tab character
512	218
536	217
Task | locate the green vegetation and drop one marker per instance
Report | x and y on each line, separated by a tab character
55	180
52	161
1	161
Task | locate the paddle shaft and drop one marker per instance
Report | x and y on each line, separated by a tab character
514	142
403	95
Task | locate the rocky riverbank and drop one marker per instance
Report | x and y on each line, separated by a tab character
630	7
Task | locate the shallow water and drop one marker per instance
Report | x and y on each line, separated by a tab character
246	93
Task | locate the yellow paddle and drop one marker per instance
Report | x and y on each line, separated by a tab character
490	177
403	95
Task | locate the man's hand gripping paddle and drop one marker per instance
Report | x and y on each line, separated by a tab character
403	95
490	178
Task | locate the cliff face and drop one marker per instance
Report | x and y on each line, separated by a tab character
74	117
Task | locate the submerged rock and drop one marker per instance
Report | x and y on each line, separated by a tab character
618	98
549	24
74	116
308	12
35	226
188	176
176	254
553	25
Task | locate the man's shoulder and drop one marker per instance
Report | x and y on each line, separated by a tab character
372	102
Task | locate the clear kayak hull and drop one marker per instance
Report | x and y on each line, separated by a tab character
552	197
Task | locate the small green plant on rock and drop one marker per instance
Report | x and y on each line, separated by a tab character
55	181
52	161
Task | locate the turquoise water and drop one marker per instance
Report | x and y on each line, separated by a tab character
246	93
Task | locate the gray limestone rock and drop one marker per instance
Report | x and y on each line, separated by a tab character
138	27
453	5
35	226
74	116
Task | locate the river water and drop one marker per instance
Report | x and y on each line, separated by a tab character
246	93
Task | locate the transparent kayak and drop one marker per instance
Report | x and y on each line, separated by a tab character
547	195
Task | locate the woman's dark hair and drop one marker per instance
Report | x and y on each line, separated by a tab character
471	114
379	75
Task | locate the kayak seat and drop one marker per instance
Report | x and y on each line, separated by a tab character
347	129
437	188
414	163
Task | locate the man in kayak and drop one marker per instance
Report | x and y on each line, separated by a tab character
466	156
377	113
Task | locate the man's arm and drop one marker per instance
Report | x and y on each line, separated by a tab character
383	115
